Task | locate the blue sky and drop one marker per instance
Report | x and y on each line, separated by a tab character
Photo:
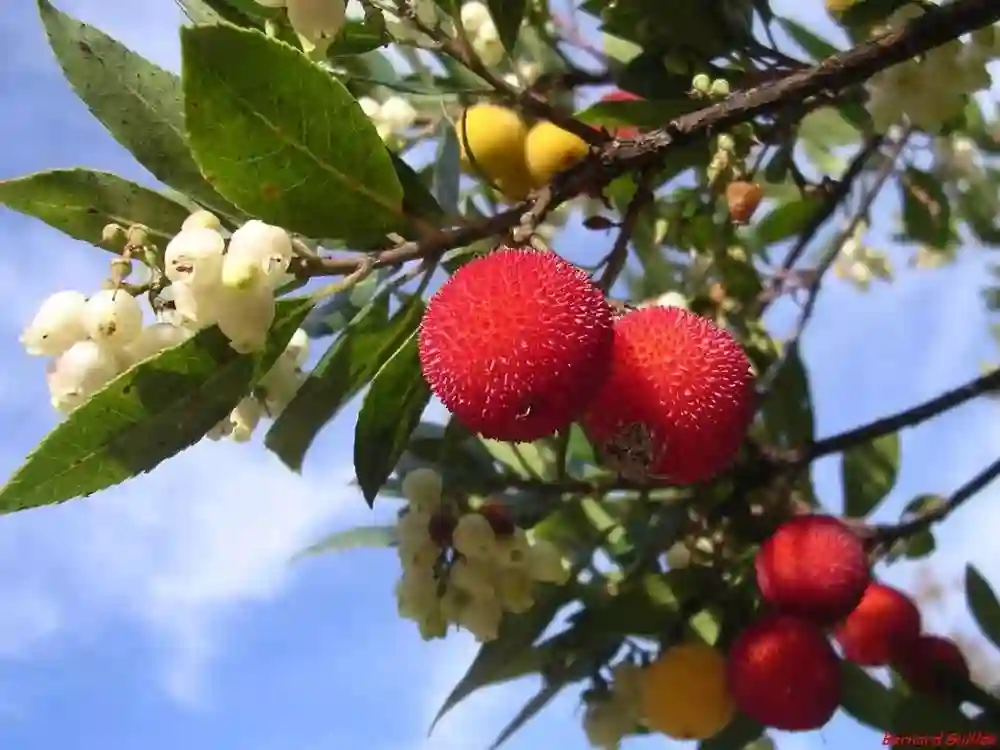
163	614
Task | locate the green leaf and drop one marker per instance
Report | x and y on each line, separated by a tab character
920	545
644	113
869	472
508	16
390	412
447	169
283	139
346	367
333	315
817	47
983	604
528	711
510	656
417	199
785	221
357	37
361	536
81	202
139	103
864	698
788	411
151	412
926	209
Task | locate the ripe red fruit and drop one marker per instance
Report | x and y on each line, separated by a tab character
884	621
677	400
500	518
623	131
514	344
743	198
923	661
784	674
814	567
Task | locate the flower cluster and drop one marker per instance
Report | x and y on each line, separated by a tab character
612	713
466	568
482	31
932	89
392	117
860	264
92	340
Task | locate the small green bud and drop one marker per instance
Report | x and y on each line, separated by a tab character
112	234
719	88
701	84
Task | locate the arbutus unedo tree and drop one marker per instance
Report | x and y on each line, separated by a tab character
625	440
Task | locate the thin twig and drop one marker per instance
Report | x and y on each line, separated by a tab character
812	290
887	534
909	418
619	253
835	194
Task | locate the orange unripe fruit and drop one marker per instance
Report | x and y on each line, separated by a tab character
836	7
677	400
923	661
623	131
514	344
495	137
784	674
743	198
814	567
884	621
684	694
549	150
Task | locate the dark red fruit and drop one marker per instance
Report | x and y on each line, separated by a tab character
814	567
884	621
924	660
500	518
441	527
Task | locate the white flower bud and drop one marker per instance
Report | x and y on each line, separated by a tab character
422	488
546	563
113	317
79	372
474	16
245	418
256	243
57	325
474	537
473	577
482	617
298	347
194	256
397	113
370	107
512	552
245	319
316	22
515	590
280	385
154	339
195	308
202	219
417	594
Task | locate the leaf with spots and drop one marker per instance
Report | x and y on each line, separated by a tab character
81	202
151	412
139	103
283	139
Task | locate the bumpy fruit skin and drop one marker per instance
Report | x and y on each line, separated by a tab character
677	400
496	138
784	674
814	567
742	199
549	150
685	693
922	662
514	344
885	621
623	131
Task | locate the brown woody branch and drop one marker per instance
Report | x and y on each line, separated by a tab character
909	418
935	27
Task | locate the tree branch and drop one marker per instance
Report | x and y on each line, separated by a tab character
935	27
909	418
619	253
887	534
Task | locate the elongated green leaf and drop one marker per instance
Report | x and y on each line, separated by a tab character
508	16
153	411
333	315
788	410
139	103
529	710
81	202
865	699
357	37
343	371
983	604
785	221
390	412
447	169
869	472
816	46
283	139
644	113
417	199
361	536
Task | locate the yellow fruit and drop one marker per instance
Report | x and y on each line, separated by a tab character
836	7
684	694
495	136
549	150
